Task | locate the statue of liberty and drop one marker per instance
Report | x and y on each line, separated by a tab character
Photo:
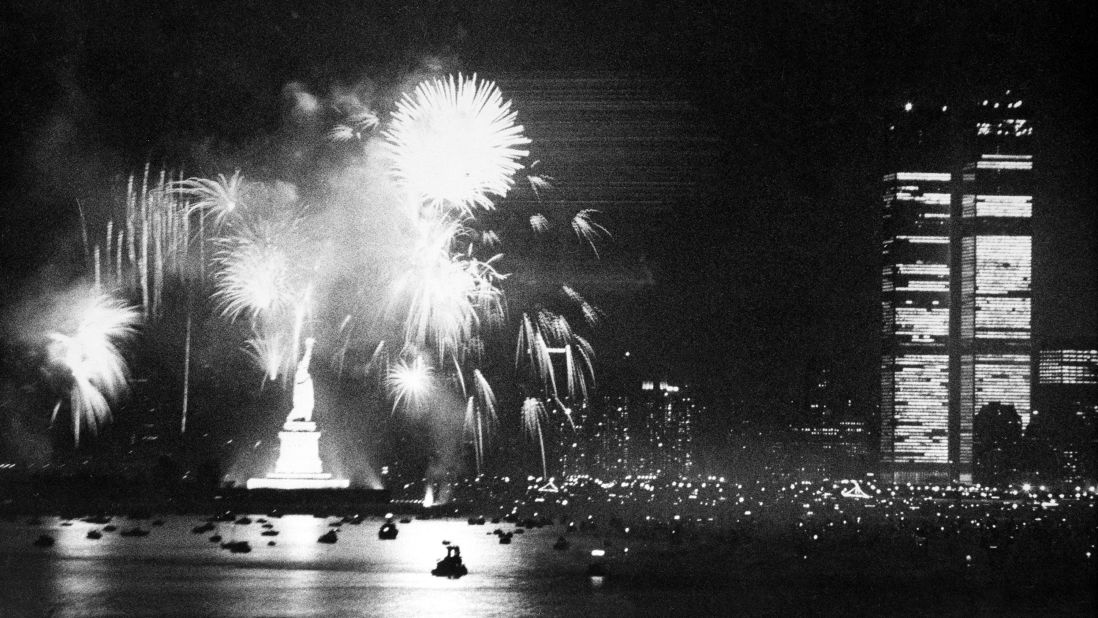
303	388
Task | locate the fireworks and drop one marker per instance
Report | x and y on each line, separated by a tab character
89	353
445	297
454	143
409	382
217	198
452	147
533	415
587	230
259	267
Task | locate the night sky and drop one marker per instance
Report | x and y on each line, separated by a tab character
777	271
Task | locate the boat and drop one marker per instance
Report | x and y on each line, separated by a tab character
95	535
44	541
328	537
388	531
237	547
450	567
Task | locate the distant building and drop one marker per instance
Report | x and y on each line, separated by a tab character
827	430
1064	426
648	431
957	288
915	297
992	268
665	416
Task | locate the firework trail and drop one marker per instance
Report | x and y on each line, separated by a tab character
587	229
453	143
533	415
89	353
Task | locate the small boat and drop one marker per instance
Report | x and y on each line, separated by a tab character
237	547
505	539
405	520
95	535
328	537
98	519
44	541
204	528
450	567
244	521
269	533
388	531
271	543
110	528
215	538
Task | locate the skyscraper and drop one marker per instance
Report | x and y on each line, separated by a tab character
956	282
666	415
991	268
915	296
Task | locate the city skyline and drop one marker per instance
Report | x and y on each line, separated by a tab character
776	265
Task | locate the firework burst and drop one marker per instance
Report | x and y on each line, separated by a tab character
445	296
219	198
410	382
258	268
89	353
454	143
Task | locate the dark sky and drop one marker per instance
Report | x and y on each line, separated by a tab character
780	267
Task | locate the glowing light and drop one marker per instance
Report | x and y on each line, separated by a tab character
445	295
409	382
89	352
453	143
256	269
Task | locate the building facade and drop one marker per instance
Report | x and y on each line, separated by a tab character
956	285
915	296
992	269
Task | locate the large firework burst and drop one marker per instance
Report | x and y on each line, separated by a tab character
454	143
88	351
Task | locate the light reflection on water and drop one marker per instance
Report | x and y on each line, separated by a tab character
175	572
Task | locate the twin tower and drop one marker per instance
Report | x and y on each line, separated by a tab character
957	275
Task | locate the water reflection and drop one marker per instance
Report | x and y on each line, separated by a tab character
175	572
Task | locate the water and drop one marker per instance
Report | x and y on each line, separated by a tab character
175	572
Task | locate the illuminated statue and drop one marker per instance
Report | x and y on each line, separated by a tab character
303	388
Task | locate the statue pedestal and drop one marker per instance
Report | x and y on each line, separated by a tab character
299	465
